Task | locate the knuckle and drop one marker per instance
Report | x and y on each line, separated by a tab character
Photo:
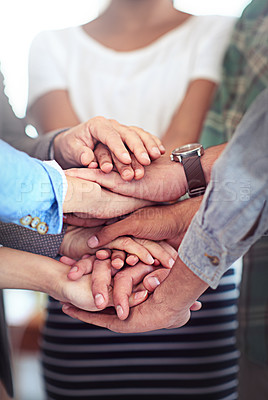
119	278
126	241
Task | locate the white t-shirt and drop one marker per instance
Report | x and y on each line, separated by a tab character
143	87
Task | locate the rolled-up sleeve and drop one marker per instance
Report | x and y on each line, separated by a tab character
234	211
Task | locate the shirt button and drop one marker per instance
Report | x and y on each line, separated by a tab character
213	259
26	220
42	228
35	222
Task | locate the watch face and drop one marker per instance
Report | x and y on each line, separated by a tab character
189	147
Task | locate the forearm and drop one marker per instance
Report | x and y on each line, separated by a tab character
23	270
187	122
234	213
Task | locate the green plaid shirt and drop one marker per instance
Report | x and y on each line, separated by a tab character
244	76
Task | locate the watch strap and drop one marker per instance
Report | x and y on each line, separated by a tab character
195	175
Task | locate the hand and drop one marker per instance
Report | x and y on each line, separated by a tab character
168	222
102	270
135	296
75	146
123	284
163	180
89	198
106	161
74	245
168	307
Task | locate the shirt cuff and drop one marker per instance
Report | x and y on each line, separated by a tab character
204	255
55	165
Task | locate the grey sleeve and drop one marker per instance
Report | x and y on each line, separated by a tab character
12	131
234	212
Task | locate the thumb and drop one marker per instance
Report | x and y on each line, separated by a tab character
84	155
78	153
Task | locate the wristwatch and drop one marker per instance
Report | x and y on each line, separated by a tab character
189	156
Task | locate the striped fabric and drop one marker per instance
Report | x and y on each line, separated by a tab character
198	361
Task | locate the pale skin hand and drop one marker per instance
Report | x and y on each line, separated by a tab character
168	307
89	198
23	270
136	295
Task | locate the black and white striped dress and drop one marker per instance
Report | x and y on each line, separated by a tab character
196	362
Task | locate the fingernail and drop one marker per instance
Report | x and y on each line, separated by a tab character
119	311
66	307
107	166
162	148
99	299
150	259
145	156
156	150
126	157
93	241
138	173
117	263
127	174
73	269
171	262
153	282
140	295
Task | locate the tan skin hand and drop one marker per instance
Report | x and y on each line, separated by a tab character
164	180
168	222
74	245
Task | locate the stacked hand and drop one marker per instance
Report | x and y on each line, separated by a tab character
107	143
125	258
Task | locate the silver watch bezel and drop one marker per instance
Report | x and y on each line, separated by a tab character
187	150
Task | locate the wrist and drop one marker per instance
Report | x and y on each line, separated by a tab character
173	178
207	159
57	146
183	287
210	156
81	195
184	212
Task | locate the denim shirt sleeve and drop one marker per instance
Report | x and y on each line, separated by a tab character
30	187
234	211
